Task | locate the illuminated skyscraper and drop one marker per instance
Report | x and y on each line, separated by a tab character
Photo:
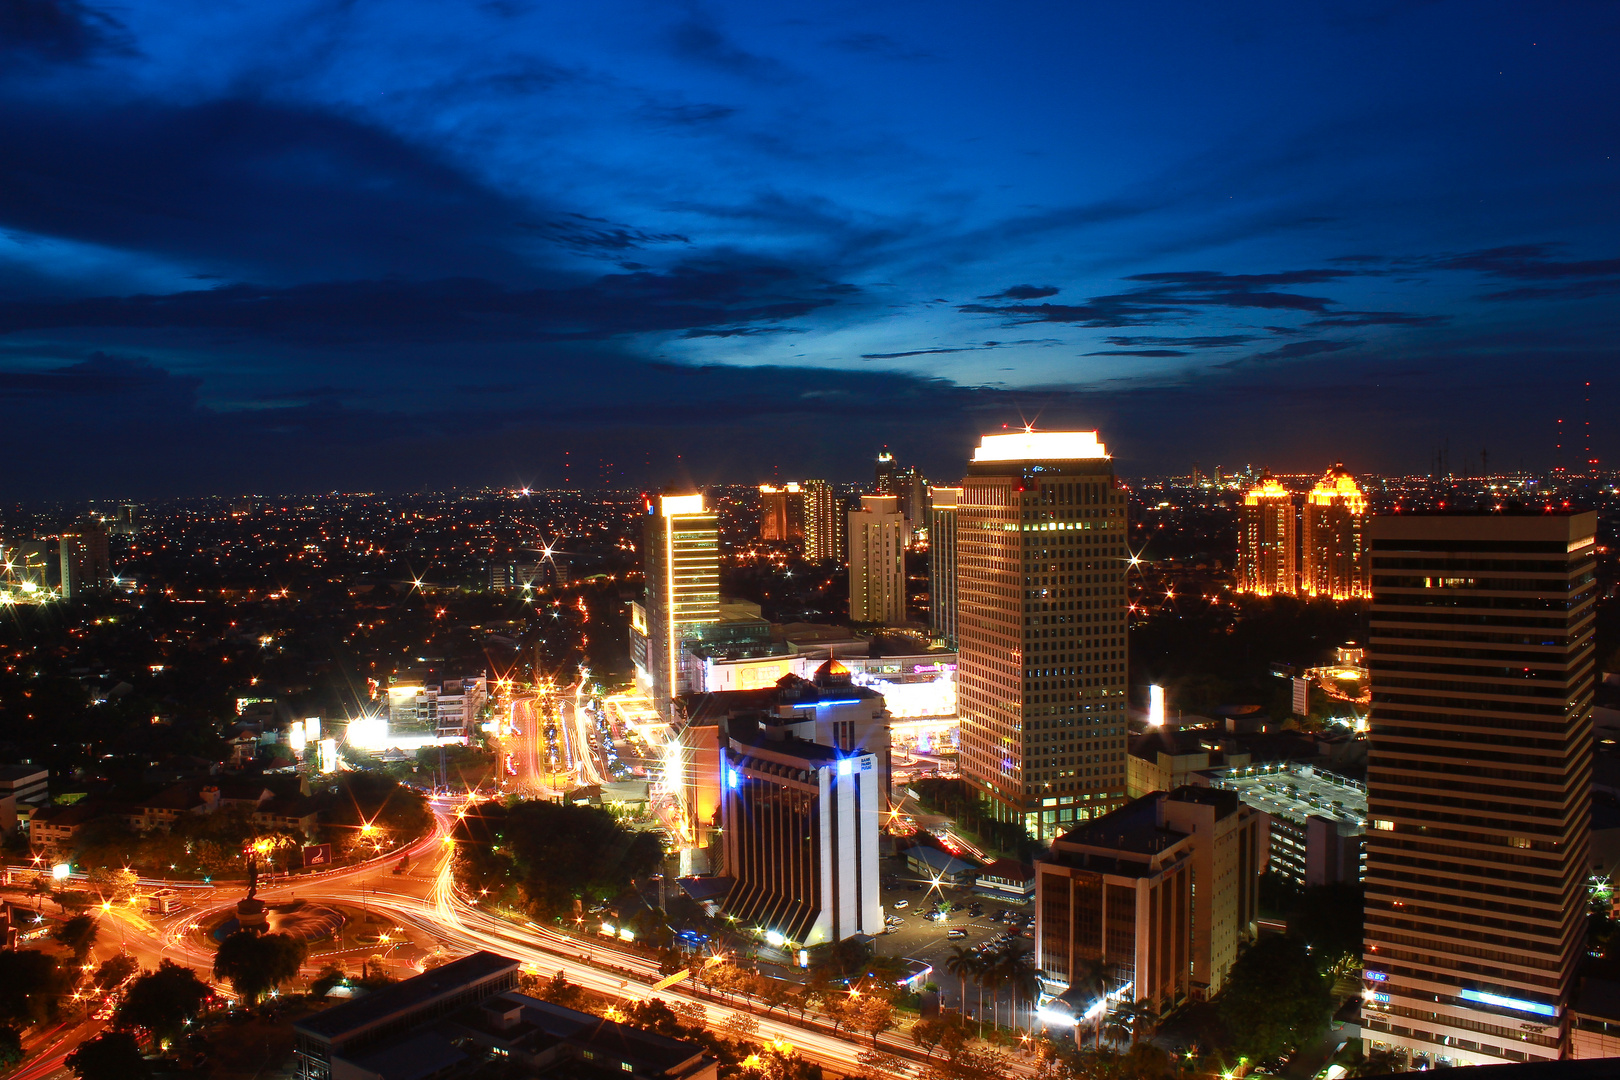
942	562
877	562
1267	538
681	557
781	512
1334	555
1478	782
824	522
884	473
1041	605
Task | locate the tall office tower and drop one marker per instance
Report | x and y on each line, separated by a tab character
1478	773
824	522
884	473
781	512
1332	541
1041	603
681	557
1267	563
877	562
942	562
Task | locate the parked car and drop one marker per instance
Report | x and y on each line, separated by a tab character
898	904
955	933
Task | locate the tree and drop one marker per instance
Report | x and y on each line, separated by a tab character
11	1047
112	1055
926	1035
114	970
326	979
1329	921
79	935
559	991
964	965
1275	999
873	1015
31	984
257	963
160	1002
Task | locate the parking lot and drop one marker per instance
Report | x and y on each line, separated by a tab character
921	939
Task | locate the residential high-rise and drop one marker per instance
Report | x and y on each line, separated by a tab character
1479	766
877	562
1041	605
824	522
1333	546
781	512
1267	538
85	563
911	488
942	562
681	558
1156	896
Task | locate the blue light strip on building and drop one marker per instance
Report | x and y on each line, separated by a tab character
839	701
1508	1003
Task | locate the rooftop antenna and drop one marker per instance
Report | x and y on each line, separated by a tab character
1586	407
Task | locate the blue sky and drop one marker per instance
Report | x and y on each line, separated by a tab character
284	246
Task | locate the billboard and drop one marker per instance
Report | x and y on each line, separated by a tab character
318	855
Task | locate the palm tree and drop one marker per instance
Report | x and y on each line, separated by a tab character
964	965
1092	975
1023	979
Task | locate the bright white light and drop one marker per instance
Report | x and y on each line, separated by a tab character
1155	717
329	756
672	505
295	738
1040	446
61	870
369	733
774	939
1053	1018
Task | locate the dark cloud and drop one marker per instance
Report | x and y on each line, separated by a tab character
1218	341
1295	350
595	235
1137	352
1376	318
466	309
701	42
1024	292
913	352
879	45
100	374
1574	290
1526	262
687	114
250	184
1165	296
57	31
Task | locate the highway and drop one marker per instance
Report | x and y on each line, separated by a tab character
425	902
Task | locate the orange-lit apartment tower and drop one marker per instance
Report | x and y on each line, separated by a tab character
781	512
1041	602
1333	540
1267	563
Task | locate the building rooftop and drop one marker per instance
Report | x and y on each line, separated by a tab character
941	862
354	1016
1133	829
1296	792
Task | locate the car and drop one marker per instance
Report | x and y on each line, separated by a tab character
955	933
898	904
976	910
915	886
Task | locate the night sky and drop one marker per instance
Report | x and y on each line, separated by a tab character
283	246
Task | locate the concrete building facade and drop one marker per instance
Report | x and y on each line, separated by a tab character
877	562
1041	606
1482	661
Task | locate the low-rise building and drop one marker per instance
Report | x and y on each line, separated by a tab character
1316	819
1006	879
1156	897
928	861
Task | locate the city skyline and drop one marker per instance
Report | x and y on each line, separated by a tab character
512	246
